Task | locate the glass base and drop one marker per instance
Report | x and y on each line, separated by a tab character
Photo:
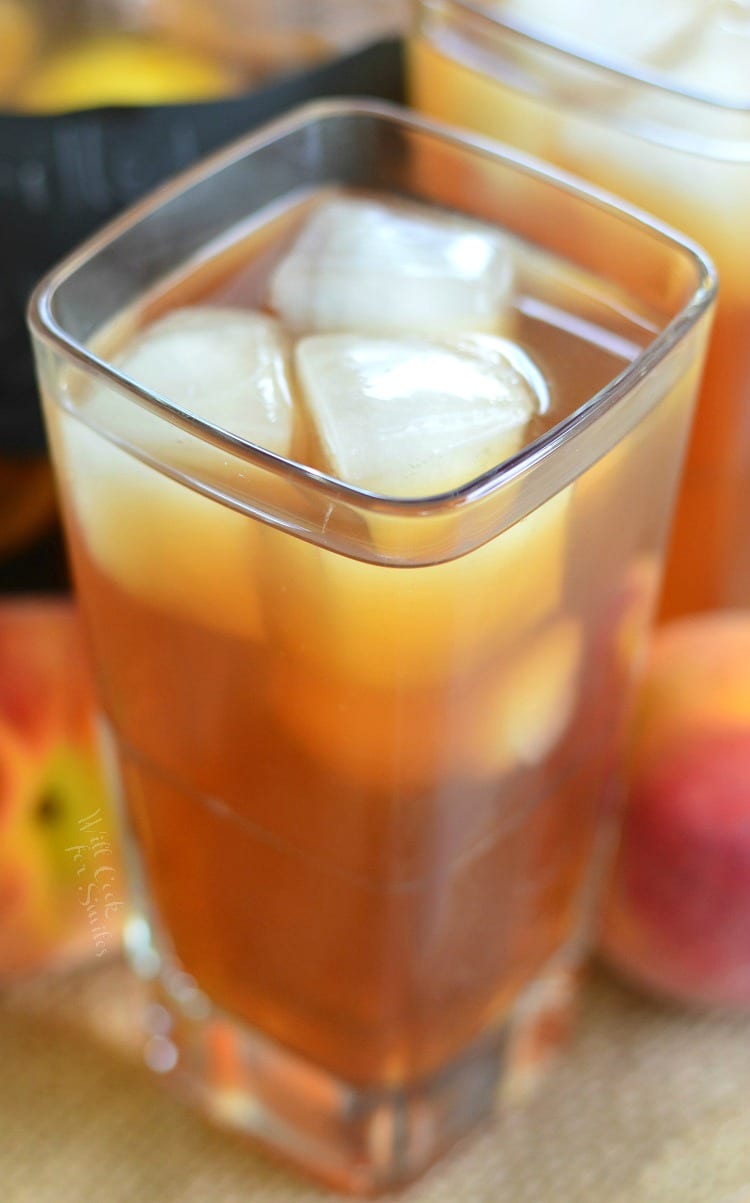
357	1140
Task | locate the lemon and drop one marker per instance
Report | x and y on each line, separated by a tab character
116	69
18	40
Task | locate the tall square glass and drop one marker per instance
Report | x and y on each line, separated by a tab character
681	155
366	747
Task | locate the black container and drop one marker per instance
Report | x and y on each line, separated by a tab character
63	176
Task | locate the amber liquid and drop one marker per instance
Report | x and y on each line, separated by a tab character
708	565
334	843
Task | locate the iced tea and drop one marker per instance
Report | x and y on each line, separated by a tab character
366	713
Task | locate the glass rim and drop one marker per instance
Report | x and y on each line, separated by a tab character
48	331
536	36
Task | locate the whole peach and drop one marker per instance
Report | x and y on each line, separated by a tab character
61	889
677	914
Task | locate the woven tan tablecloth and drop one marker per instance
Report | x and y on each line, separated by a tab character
650	1105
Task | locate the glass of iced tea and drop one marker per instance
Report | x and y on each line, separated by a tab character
650	99
367	458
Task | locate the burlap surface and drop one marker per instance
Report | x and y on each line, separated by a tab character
650	1105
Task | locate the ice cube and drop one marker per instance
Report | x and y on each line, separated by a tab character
369	737
362	266
716	62
392	738
527	709
628	150
635	32
174	548
400	628
226	366
412	417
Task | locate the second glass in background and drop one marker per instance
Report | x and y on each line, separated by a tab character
679	149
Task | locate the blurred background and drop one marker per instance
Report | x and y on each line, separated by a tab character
100	100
